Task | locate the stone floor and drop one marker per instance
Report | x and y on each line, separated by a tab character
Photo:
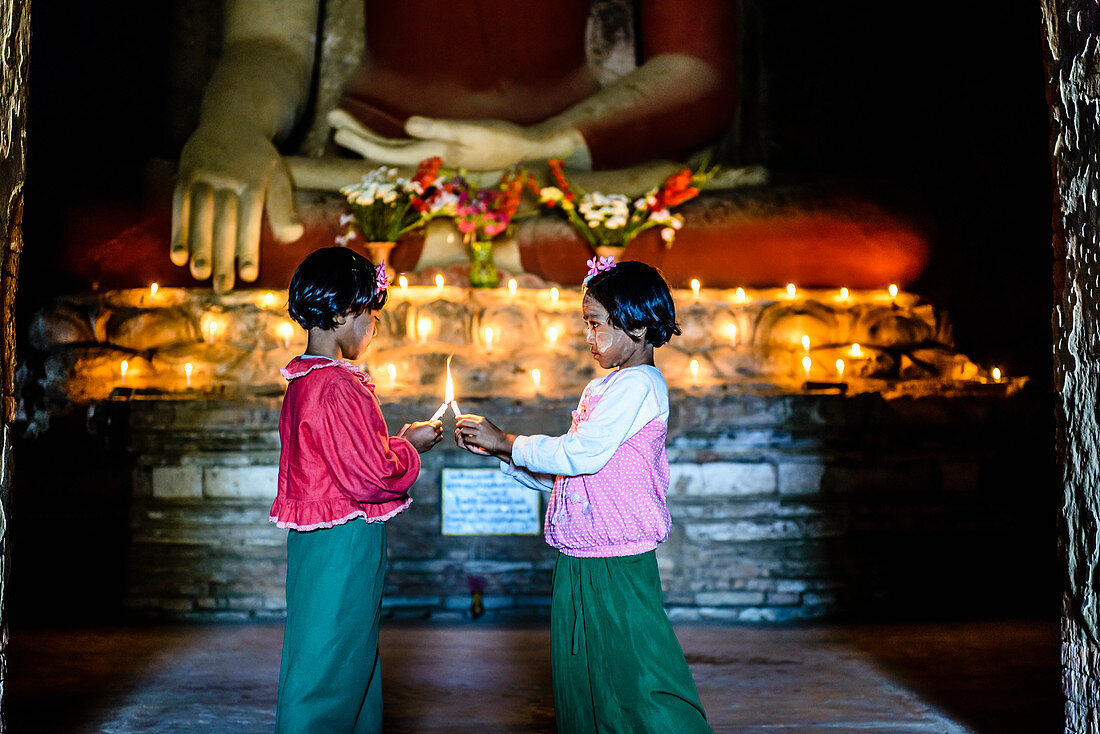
998	677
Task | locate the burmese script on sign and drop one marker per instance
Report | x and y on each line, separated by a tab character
486	502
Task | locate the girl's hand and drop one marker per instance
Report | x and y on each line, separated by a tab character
423	435
477	434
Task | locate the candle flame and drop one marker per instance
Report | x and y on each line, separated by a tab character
188	369
996	374
844	294
740	295
552	334
791	290
391	370
123	367
269	298
856	351
512	285
488	338
806	363
893	290
554	295
805	342
439	281
449	393
840	367
403	282
694	367
154	288
695	287
536	377
731	329
423	327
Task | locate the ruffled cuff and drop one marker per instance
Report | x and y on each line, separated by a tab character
304	516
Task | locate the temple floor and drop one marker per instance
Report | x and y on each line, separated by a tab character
479	677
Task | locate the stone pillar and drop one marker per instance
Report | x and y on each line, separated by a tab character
1072	51
14	59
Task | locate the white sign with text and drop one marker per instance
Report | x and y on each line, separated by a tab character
487	502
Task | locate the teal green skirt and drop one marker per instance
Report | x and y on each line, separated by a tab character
331	679
617	665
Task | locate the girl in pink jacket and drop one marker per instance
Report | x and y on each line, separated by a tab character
616	663
341	476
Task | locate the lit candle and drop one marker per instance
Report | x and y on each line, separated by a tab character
996	372
552	335
844	294
404	283
448	397
423	328
512	285
893	289
856	351
840	368
731	329
806	363
391	370
739	296
153	290
286	331
693	366
269	298
791	290
806	343
122	370
536	378
488	339
212	327
439	281
553	295
187	369
695	288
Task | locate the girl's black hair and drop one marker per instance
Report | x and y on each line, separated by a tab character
636	295
332	282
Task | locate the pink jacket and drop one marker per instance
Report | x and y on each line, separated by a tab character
338	461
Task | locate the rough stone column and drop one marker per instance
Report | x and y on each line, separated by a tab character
15	36
1073	90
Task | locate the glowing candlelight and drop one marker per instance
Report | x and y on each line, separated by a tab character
512	285
840	368
269	299
286	331
856	351
806	363
693	367
439	281
552	335
391	370
844	294
488	339
536	378
403	282
995	372
791	290
695	288
553	295
153	290
893	289
806	343
187	370
212	328
448	397
423	328
739	295
731	329
122	370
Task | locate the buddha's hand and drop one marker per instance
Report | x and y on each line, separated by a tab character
227	174
478	145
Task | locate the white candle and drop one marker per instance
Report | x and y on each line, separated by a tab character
512	285
695	288
391	370
806	343
488	339
856	351
536	378
212	327
269	298
731	329
552	335
286	331
840	368
122	370
806	364
153	290
404	283
553	295
693	367
423	328
791	290
439	282
739	296
844	294
187	369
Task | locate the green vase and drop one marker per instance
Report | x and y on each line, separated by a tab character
483	273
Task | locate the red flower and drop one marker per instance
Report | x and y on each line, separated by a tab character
427	172
559	177
675	190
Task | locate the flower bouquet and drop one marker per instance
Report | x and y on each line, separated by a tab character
609	222
385	206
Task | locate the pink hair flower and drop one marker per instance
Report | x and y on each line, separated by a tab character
599	264
381	278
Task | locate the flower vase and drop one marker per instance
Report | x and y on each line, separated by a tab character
613	251
380	255
483	273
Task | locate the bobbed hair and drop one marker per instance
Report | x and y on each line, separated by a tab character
636	295
333	282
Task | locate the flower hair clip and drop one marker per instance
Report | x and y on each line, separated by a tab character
599	264
381	278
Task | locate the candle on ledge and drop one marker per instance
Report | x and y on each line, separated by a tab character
840	368
391	370
423	328
269	299
731	329
439	281
996	374
806	343
695	288
893	290
791	290
122	370
856	351
286	330
512	285
212	329
553	295
844	294
536	378
187	370
806	364
552	335
153	292
403	282
693	367
739	295
488	339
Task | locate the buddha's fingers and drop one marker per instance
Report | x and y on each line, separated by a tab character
200	230
225	240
